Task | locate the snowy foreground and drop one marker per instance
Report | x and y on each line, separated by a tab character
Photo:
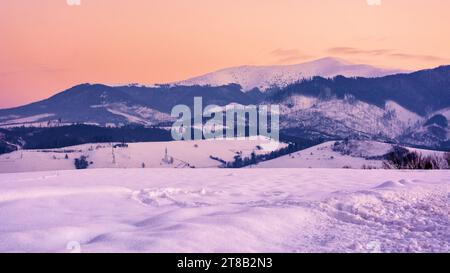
222	210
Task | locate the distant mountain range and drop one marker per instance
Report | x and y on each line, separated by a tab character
407	108
411	109
106	105
266	77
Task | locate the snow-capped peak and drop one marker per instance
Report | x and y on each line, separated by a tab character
264	77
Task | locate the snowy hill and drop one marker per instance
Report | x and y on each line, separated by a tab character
199	154
184	154
323	156
355	155
265	77
434	129
223	210
341	118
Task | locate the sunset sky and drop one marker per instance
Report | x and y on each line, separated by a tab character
47	46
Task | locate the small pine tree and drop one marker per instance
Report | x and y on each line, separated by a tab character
253	159
81	163
237	161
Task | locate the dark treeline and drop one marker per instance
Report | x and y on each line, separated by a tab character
401	158
64	136
253	159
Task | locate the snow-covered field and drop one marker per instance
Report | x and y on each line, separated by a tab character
323	156
136	155
223	210
361	155
197	154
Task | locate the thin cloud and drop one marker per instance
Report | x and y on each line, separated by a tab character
285	52
428	58
384	52
356	51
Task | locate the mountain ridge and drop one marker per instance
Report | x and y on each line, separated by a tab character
266	77
410	108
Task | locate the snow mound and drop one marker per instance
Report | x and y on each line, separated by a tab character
397	220
171	196
393	184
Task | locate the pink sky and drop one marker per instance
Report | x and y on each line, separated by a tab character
47	46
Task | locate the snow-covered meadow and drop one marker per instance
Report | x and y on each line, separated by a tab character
224	210
184	154
197	154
